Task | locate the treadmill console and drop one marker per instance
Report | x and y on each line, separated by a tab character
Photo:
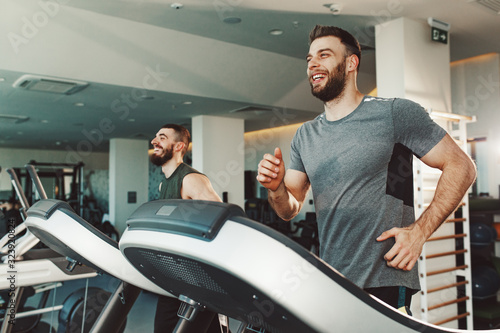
194	218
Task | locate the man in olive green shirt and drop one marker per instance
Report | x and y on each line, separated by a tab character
181	182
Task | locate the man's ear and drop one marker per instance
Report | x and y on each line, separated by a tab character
352	62
179	146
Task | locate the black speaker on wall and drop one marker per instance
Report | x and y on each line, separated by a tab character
250	184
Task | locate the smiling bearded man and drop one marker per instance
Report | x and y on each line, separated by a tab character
180	182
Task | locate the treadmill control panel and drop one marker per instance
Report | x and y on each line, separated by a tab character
194	218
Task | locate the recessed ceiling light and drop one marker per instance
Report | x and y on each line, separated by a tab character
276	32
231	20
335	8
80	104
44	121
131	120
187	103
2	79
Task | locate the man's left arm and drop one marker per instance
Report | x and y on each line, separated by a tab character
458	173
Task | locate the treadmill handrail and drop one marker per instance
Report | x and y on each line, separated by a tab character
36	181
45	208
17	187
28	240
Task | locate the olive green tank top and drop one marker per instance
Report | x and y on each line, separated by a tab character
171	187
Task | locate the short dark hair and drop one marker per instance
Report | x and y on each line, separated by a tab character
181	135
350	42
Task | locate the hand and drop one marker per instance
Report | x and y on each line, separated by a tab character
407	249
271	170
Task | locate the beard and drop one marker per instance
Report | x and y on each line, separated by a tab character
167	155
334	86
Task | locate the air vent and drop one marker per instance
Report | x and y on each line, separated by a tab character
255	109
49	84
493	5
141	136
11	119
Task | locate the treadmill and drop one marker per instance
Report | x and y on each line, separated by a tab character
212	256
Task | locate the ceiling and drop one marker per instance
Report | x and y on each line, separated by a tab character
215	66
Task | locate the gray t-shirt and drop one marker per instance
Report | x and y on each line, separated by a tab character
360	169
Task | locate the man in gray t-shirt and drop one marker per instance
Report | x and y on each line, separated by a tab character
356	157
359	168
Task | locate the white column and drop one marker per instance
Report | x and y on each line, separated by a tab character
410	65
128	179
218	152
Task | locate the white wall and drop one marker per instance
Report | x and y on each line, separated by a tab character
128	172
476	92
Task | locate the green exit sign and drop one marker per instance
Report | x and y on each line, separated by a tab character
439	35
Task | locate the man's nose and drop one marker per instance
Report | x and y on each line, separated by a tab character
312	64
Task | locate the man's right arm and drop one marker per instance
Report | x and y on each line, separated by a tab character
286	190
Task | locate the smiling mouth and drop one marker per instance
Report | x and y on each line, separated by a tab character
317	77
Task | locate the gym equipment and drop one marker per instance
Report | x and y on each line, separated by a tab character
496	225
25	271
482	235
307	231
485	282
37	266
81	302
56	176
211	255
28	240
254	208
60	228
